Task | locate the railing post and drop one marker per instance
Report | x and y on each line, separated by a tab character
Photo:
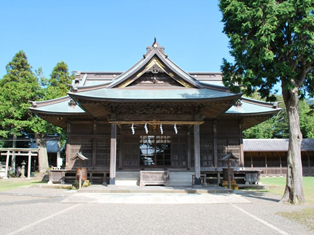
7	166
29	164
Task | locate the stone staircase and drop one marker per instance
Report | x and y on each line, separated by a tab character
132	178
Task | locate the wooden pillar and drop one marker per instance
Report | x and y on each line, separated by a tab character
266	164
59	159
252	161
241	145
94	153
189	149
215	144
29	164
7	166
120	150
280	164
113	154
197	158
68	145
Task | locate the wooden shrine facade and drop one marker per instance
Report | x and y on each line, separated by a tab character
93	139
154	116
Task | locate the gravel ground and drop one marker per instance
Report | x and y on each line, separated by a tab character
30	210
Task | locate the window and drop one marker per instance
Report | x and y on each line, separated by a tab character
155	150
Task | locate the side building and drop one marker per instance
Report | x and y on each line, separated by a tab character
270	156
153	117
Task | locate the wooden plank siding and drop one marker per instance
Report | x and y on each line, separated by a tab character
92	138
275	163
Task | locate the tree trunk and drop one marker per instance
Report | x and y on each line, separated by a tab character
294	187
13	158
42	154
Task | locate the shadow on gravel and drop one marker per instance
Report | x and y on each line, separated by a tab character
258	195
32	201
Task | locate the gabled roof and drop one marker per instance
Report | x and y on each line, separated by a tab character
155	56
155	61
79	156
94	94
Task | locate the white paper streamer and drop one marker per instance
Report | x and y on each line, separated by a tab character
132	128
146	129
161	130
175	128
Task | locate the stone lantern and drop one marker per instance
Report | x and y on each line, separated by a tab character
23	169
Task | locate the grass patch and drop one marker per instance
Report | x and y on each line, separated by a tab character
276	185
16	183
305	217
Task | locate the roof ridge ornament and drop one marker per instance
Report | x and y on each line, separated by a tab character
155	43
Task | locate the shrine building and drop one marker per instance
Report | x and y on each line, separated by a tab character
154	117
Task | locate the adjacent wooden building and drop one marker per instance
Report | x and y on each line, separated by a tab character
270	156
153	117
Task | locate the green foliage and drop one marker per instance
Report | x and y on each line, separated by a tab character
306	119
270	41
58	82
17	88
277	126
55	87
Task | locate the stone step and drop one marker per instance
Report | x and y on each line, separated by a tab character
127	178
181	178
132	178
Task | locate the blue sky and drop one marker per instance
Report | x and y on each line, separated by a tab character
111	35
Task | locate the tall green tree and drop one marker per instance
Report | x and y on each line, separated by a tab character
58	82
40	128
17	87
54	87
272	41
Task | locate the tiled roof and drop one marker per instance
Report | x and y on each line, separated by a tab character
110	86
269	145
251	108
60	105
153	94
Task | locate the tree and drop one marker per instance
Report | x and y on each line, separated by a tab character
58	82
273	41
17	87
55	87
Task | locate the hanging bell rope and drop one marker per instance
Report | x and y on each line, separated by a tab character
132	128
161	130
175	128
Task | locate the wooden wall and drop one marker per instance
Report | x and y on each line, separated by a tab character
275	163
93	140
